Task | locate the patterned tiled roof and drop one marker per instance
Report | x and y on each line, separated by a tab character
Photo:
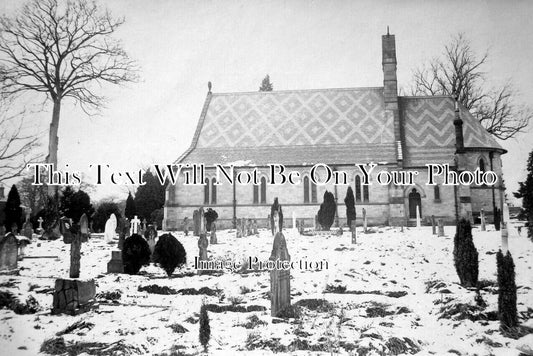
429	131
333	126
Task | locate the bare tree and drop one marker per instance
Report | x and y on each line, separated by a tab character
18	144
459	72
64	51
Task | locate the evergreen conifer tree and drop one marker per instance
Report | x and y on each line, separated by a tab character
506	290
12	210
465	255
525	191
130	210
326	213
349	200
149	197
205	329
266	85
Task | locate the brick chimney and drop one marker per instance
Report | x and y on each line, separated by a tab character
390	88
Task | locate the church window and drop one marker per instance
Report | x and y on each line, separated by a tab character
365	193
482	165
306	189
313	193
263	190
357	188
206	191
213	191
256	194
436	192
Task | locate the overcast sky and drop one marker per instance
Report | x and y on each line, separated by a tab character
181	45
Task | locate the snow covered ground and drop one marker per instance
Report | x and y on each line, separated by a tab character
384	294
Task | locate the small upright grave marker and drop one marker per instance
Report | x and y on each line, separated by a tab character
135	222
203	243
8	253
482	218
213	237
441	228
280	290
110	227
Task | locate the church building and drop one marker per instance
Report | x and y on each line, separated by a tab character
338	128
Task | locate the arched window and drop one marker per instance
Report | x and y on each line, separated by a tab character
313	193
206	191
256	194
436	192
306	189
213	191
365	193
482	165
263	190
357	188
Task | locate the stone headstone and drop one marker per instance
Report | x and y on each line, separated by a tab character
301	227
433	225
115	265
268	222
418	217
110	227
27	229
280	290
254	227
135	223
238	230
84	228
8	252
249	228
506	214
22	242
365	226
150	234
213	236
186	226
64	227
203	243
73	296
505	240
483	222
144	226
75	255
40	229
354	232
441	228
196	222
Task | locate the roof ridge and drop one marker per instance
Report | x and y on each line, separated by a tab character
296	91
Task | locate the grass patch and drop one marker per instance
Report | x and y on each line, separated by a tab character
204	291
215	308
155	289
109	295
253	321
58	346
178	329
11	302
397	346
318	305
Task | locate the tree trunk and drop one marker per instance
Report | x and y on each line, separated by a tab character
52	231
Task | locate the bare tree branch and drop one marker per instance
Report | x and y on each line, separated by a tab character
459	72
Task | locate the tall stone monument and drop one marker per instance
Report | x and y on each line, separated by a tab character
280	289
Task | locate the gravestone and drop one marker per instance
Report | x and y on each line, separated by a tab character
418	217
186	226
40	229
268	222
8	253
64	227
110	227
433	226
254	227
144	227
73	296
27	229
301	227
150	234
84	228
354	232
441	228
213	237
75	255
483	222
244	229
134	228
22	242
115	265
196	222
203	243
505	238
238	231
249	228
280	296
365	230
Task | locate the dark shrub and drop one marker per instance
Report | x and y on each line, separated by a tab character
13	211
135	254
210	216
169	253
205	329
507	290
326	213
103	212
349	200
465	255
